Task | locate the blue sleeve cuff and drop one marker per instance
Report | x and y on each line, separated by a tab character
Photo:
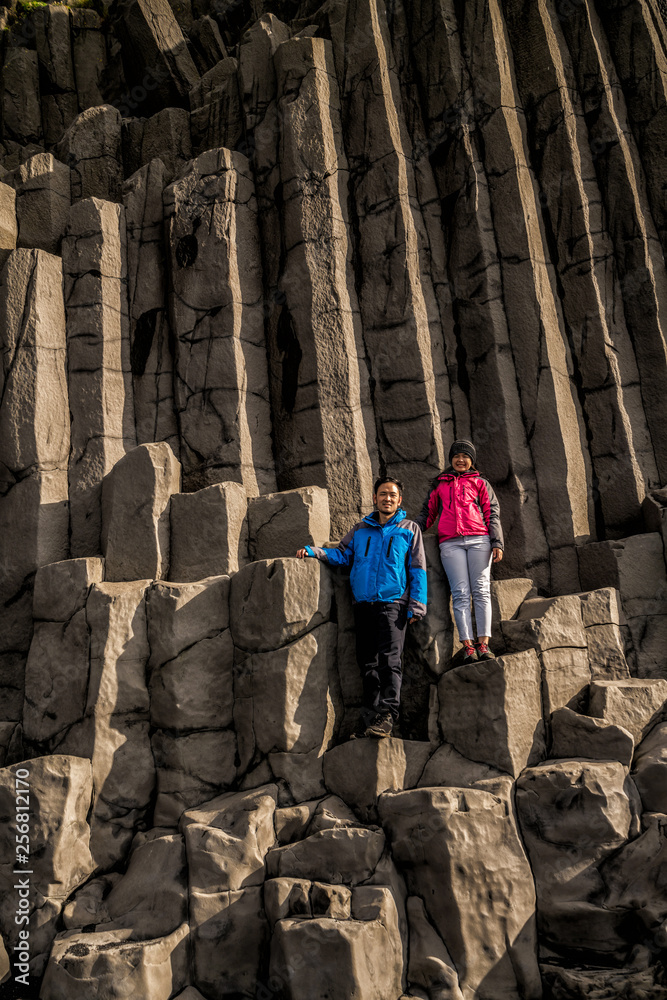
309	550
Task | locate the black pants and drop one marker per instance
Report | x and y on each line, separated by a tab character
380	635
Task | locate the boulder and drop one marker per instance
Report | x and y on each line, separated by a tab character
300	773
105	966
8	225
21	112
491	711
291	822
289	697
573	815
275	601
601	607
344	854
149	901
227	840
633	703
54	795
566	674
190	769
606	653
287	897
649	769
98	355
546	624
62	588
448	767
135	512
431	967
634	566
574	735
209	532
331	959
229	940
281	523
183	614
194	690
460	851
360	770
507	596
91	149
633	876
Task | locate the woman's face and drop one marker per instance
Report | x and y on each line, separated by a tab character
461	462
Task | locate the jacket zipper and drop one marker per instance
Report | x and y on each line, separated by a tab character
368	543
389	546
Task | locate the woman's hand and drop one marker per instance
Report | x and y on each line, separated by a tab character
497	555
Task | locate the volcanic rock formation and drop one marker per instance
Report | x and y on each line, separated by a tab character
252	254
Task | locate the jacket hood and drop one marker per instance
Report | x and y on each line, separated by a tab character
451	471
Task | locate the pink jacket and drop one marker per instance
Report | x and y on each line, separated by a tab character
463	504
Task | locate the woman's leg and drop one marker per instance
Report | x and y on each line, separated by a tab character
455	563
478	552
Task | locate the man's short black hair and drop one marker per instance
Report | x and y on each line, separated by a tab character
387	479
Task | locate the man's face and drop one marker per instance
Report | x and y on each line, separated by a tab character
461	462
387	499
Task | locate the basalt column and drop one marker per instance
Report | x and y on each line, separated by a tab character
542	359
34	448
100	381
324	428
485	365
401	321
621	179
221	382
621	450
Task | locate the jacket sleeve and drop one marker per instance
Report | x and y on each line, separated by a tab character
417	575
429	511
341	556
491	512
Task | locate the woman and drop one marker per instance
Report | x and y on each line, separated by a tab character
469	531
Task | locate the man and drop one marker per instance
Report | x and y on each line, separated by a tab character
388	577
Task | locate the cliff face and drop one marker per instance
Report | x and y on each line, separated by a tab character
253	254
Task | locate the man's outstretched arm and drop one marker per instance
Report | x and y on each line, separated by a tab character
341	556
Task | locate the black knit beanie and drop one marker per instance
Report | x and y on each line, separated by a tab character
465	447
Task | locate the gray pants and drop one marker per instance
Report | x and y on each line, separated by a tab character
467	563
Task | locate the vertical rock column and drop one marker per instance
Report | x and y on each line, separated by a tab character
322	430
401	322
150	353
622	183
638	40
100	381
54	51
539	346
485	367
221	386
34	448
620	445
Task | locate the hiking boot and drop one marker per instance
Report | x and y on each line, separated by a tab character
381	726
483	651
469	652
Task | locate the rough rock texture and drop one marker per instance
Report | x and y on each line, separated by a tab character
305	244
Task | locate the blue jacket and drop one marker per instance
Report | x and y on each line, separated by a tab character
387	560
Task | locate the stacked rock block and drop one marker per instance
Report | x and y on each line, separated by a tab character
228	838
340	249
